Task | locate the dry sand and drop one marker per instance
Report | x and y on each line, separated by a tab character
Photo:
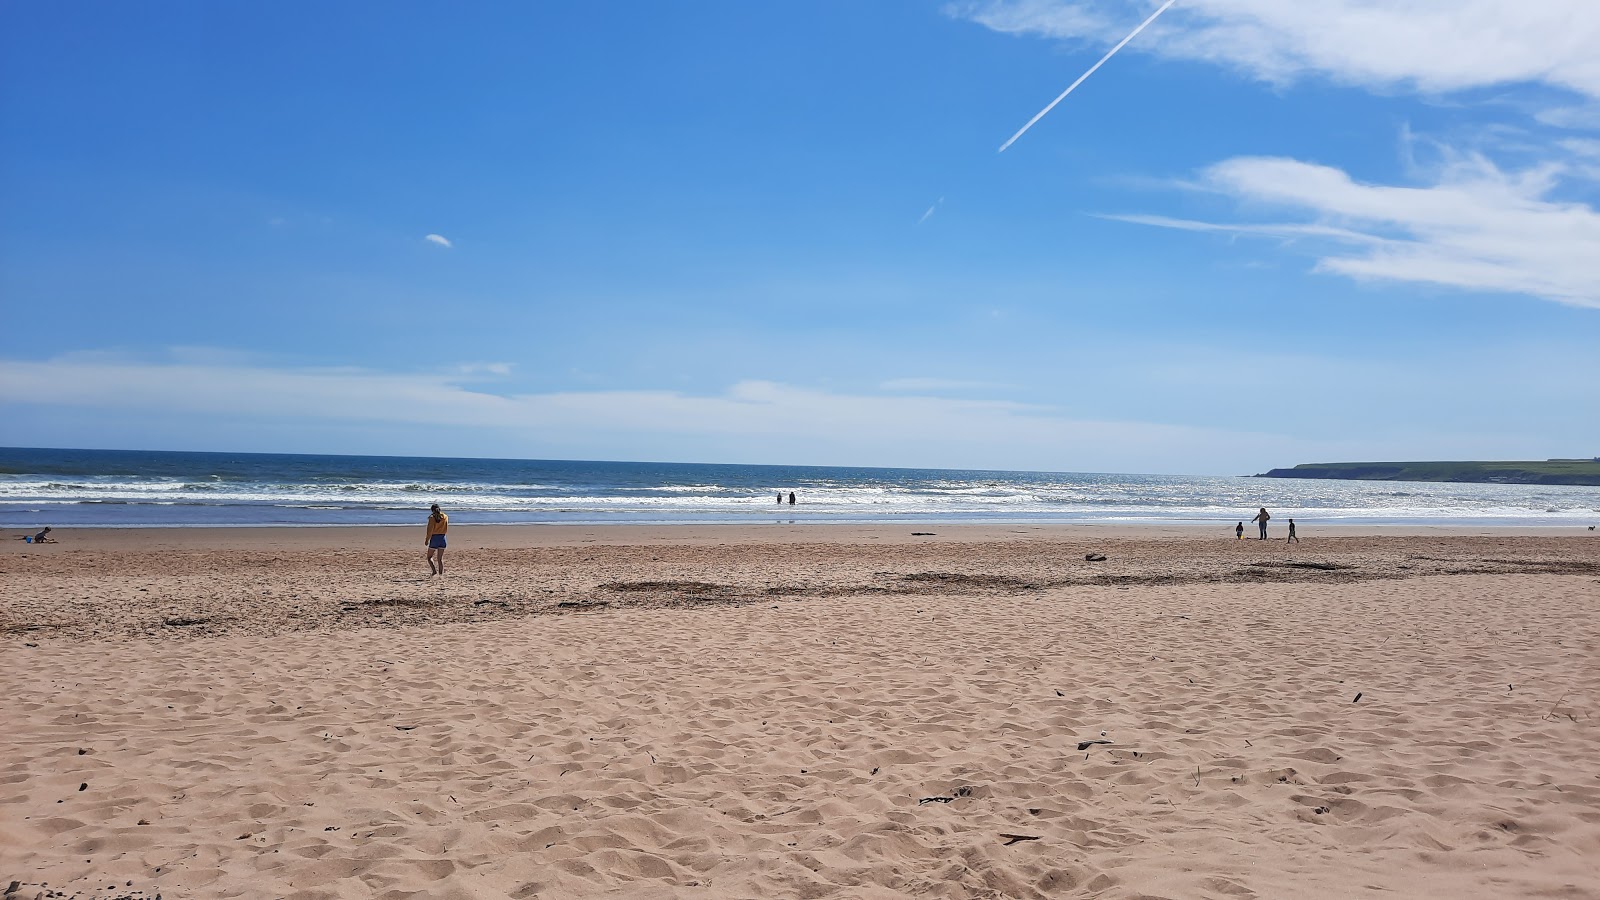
800	712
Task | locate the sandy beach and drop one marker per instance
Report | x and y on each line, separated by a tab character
801	711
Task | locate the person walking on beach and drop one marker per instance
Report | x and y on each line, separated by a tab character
1292	539
1262	517
438	524
1238	532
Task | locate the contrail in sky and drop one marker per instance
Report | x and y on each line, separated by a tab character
1081	78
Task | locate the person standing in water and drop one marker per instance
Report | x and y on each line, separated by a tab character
791	498
438	524
1262	517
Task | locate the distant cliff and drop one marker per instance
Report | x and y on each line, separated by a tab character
1551	471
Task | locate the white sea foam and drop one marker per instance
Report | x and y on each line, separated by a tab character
854	496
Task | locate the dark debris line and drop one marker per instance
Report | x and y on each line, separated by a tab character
1046	568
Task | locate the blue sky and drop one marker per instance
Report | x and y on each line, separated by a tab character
1262	234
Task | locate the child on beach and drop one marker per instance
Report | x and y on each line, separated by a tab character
1291	534
438	524
1238	532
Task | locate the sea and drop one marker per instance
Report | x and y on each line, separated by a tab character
137	488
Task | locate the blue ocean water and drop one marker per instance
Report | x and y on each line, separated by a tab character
144	488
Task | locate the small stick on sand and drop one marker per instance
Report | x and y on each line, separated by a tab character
1017	838
1553	706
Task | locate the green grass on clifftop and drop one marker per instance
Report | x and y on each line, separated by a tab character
1552	471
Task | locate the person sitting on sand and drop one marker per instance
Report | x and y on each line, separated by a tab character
42	537
438	524
1262	517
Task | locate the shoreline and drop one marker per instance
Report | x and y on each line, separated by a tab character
497	536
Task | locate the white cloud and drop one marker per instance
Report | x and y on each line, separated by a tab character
1575	118
1477	227
1472	224
1585	156
499	369
934	385
751	419
439	239
1430	45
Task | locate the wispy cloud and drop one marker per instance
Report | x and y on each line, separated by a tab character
1430	45
439	239
485	369
1469	223
766	419
1476	227
1284	230
936	385
1576	118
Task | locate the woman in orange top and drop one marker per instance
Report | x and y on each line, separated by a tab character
438	524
